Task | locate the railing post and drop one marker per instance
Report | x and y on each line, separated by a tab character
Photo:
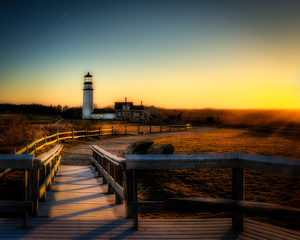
98	159
238	193
14	151
118	179
26	145
49	167
57	135
128	191
100	131
160	127
185	127
134	198
43	177
112	130
85	132
36	188
45	138
170	128
73	134
104	166
150	128
25	195
109	171
138	129
125	130
178	127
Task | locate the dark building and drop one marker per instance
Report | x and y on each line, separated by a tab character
126	110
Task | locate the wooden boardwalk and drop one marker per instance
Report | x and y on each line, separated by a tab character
78	207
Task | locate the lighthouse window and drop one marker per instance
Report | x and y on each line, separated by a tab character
124	107
128	108
119	114
124	114
128	114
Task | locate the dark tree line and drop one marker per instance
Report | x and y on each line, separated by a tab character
27	109
75	112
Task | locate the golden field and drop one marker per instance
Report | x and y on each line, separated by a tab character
260	186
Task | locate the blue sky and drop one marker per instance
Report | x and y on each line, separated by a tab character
177	54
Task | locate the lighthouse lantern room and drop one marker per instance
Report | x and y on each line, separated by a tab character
88	99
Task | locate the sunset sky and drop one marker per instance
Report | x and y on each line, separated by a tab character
173	54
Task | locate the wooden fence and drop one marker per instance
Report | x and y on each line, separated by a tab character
125	187
38	174
36	145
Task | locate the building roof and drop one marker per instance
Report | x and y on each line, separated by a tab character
88	75
118	105
101	111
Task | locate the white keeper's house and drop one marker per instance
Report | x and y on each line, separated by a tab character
123	110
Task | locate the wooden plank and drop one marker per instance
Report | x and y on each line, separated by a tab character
110	157
113	183
15	206
231	205
16	161
54	135
40	147
224	160
22	150
50	143
181	161
39	140
63	133
284	166
63	138
45	184
6	171
54	155
43	157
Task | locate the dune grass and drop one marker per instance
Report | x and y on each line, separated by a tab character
216	183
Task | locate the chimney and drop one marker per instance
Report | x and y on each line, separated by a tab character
141	103
126	99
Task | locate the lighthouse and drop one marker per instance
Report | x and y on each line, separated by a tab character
88	99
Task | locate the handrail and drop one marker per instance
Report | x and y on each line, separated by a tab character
113	170
100	131
222	160
45	167
110	157
43	157
24	162
237	161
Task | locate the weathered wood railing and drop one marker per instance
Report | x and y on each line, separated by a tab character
45	167
112	169
41	173
36	145
237	161
24	162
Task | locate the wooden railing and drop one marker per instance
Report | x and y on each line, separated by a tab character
24	162
44	170
125	187
113	171
37	178
36	145
237	161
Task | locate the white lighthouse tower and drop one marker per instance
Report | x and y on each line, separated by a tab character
88	99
